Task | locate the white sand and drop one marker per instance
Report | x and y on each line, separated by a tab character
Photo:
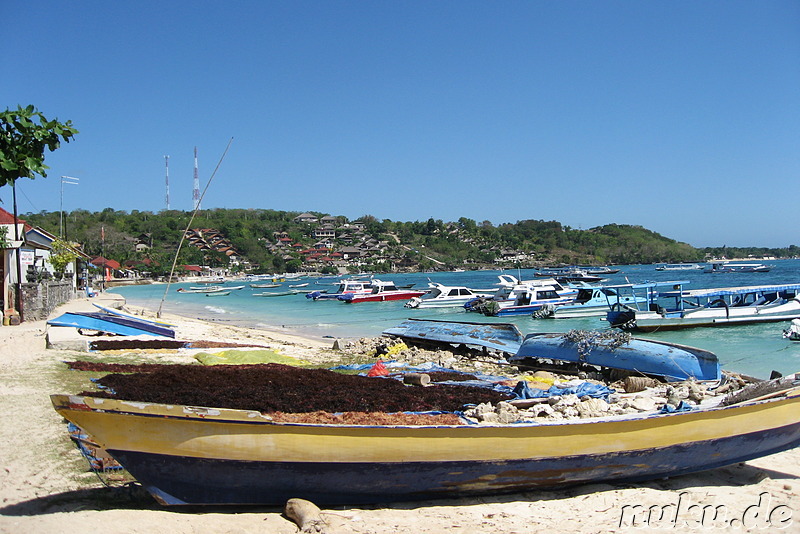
45	485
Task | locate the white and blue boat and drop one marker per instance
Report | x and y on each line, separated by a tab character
522	297
680	267
681	308
594	301
733	267
442	296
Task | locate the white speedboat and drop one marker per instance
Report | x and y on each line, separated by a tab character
679	267
793	332
523	297
732	267
442	296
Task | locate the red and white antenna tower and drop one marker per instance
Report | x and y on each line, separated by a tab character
196	193
166	163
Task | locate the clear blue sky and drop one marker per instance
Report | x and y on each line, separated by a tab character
678	116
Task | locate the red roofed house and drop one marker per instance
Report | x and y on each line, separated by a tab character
108	266
27	287
9	232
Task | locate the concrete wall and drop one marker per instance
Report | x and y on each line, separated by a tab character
39	300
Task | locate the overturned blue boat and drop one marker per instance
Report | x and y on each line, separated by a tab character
503	337
111	324
671	361
572	351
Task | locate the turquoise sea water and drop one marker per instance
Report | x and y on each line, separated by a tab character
751	349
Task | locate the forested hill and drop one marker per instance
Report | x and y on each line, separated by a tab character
278	241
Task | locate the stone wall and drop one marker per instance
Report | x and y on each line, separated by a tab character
39	300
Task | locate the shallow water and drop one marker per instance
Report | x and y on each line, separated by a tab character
751	349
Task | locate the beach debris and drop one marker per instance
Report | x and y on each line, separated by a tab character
417	379
378	369
306	515
634	384
585	340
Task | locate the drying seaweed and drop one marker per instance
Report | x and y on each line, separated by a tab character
270	388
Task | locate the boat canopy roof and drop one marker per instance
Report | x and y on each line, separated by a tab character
648	285
724	291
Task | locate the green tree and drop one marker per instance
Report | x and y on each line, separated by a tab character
62	255
24	135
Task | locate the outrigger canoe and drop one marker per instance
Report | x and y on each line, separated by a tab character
190	455
111	324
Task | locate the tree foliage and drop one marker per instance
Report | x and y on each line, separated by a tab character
429	244
61	255
25	134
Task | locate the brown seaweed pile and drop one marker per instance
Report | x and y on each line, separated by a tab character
270	388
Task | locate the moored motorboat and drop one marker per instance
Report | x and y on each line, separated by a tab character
679	267
355	287
209	289
681	308
592	301
569	274
442	296
600	271
381	291
737	267
522	297
793	332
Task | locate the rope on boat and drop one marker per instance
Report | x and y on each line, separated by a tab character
585	340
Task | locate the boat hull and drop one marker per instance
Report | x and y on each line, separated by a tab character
654	358
647	321
497	336
185	455
380	297
528	309
112	324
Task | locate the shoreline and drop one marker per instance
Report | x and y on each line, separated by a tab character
45	485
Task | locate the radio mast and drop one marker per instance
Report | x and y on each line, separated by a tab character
196	193
166	163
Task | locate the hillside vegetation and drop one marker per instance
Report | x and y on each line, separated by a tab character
263	240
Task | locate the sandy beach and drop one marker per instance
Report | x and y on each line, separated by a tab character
46	486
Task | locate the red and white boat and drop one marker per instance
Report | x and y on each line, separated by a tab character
381	291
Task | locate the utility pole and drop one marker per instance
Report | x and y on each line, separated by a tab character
196	192
166	162
71	181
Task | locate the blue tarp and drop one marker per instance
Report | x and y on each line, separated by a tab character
523	391
520	391
681	407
